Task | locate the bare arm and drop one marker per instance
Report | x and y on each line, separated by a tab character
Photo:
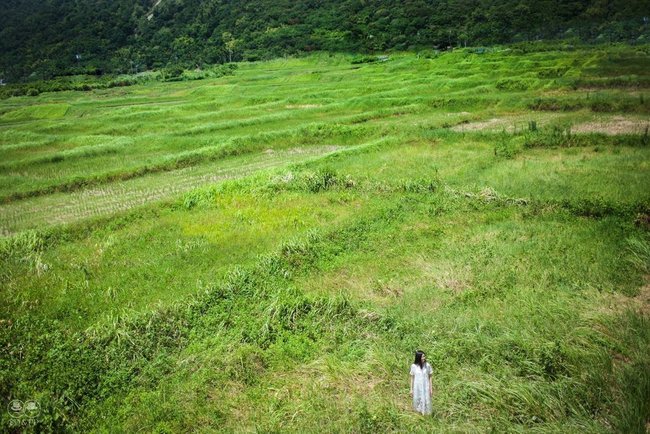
430	385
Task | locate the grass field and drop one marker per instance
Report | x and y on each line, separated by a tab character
263	252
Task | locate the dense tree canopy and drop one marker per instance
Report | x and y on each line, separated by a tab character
44	38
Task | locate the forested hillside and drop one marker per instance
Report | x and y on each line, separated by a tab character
41	39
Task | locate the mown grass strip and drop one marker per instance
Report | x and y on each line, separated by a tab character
309	134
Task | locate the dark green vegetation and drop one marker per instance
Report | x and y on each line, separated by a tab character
491	209
43	39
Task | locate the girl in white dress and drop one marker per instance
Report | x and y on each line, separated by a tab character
421	389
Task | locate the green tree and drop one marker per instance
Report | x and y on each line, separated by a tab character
230	43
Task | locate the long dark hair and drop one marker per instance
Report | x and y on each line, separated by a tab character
418	359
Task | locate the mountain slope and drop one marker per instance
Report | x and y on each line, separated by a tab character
41	39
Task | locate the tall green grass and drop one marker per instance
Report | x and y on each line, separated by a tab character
292	299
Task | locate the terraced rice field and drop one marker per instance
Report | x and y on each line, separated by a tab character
264	252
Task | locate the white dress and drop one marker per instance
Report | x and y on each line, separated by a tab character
421	397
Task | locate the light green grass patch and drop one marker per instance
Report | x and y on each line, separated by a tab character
49	111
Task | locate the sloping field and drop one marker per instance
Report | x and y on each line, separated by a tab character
105	200
264	252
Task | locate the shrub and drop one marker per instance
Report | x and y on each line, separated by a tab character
429	54
364	59
172	73
506	147
17	92
26	248
122	82
419	185
323	179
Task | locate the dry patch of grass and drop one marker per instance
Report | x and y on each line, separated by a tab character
479	126
445	275
613	126
641	302
615	303
509	122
